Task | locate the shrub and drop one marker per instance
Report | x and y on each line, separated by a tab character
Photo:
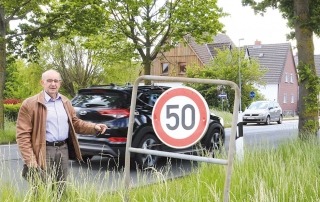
11	111
8	136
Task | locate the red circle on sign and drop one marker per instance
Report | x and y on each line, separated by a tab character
201	127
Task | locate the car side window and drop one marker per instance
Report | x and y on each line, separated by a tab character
271	106
150	97
110	100
153	98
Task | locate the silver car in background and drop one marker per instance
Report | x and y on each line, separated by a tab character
263	112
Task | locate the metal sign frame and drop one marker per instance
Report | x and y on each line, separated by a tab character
232	146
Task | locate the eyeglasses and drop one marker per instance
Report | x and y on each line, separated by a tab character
53	80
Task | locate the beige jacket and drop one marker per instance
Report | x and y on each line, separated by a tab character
31	130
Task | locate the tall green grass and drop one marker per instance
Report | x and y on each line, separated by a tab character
287	173
9	133
227	117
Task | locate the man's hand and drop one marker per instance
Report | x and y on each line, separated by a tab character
33	173
100	128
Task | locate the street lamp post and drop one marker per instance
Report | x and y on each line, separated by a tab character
240	75
239	140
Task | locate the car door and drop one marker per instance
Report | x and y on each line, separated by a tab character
272	111
277	111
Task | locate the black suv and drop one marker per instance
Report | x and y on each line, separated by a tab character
110	104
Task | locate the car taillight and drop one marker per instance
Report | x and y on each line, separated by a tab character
116	113
117	139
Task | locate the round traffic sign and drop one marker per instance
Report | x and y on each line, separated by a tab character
180	117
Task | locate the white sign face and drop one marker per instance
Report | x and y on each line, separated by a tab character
180	117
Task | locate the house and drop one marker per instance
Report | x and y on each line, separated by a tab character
174	61
281	77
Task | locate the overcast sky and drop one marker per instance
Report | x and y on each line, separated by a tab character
243	23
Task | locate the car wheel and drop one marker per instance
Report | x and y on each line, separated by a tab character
214	138
148	140
267	120
280	119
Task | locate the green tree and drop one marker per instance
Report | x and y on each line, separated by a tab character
74	62
117	56
30	14
153	26
24	79
39	19
125	72
149	26
303	17
86	61
225	66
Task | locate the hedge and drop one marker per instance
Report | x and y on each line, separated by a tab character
11	111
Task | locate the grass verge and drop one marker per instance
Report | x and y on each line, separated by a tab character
9	133
288	173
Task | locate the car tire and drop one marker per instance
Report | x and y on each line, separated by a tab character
146	139
280	119
267	121
214	139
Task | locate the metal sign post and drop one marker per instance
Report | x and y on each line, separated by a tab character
227	162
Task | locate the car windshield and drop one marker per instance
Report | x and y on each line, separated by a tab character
258	105
109	100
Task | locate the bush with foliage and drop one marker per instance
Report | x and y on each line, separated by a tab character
225	66
11	111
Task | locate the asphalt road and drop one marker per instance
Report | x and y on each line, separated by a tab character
107	174
259	135
103	172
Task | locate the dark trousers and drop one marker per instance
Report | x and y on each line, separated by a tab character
57	159
55	175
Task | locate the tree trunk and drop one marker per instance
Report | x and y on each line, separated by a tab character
308	103
2	63
147	71
147	60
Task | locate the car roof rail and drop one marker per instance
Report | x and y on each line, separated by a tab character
109	86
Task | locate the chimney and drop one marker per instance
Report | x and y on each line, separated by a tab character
257	42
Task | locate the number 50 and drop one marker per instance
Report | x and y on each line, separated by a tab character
170	114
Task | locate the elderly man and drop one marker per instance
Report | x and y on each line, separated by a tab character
46	131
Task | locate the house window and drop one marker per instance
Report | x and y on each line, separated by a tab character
292	98
291	78
285	98
165	68
182	67
286	78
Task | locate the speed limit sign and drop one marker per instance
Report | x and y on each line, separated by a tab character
180	117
